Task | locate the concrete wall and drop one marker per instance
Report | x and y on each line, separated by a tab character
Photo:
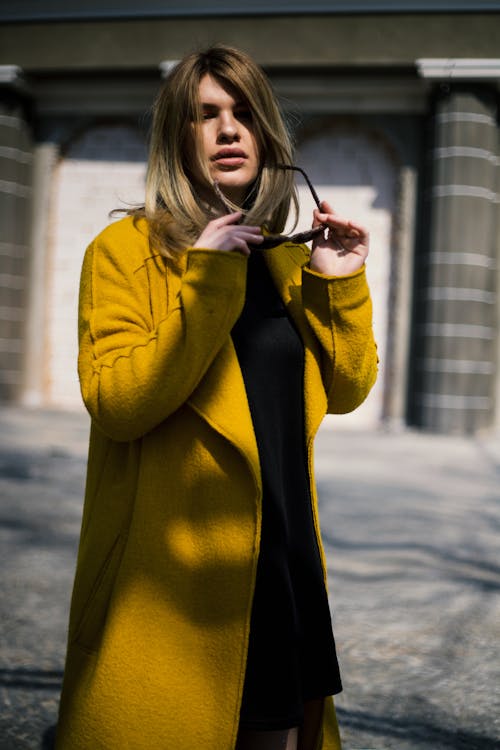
391	40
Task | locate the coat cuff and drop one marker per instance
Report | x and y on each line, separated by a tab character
335	292
216	267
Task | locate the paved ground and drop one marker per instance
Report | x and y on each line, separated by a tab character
410	523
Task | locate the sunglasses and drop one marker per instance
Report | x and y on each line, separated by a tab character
273	240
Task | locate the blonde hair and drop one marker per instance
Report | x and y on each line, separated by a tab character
174	211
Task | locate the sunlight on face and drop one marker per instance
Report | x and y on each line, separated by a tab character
227	139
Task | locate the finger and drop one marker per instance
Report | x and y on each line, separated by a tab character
347	227
244	237
332	219
245	232
255	239
316	220
326	215
239	238
241	246
227	219
326	208
248	228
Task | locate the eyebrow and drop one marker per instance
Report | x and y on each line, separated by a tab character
237	103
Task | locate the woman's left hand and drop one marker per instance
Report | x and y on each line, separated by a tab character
342	248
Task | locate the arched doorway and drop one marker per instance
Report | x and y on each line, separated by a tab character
103	169
356	173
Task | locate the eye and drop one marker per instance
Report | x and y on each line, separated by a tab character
208	113
244	114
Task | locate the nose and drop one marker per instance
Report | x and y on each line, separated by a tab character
228	128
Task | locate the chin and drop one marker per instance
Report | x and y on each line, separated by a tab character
234	182
234	192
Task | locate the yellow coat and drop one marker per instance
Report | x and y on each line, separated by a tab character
163	591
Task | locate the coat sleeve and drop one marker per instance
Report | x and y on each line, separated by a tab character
134	373
339	311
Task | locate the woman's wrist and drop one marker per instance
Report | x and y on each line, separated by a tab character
329	265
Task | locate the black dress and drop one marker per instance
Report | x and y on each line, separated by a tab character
291	656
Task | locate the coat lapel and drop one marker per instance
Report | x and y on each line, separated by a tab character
221	400
285	264
221	397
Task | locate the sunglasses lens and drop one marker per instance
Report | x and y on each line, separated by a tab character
273	240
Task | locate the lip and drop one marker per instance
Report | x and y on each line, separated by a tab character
230	156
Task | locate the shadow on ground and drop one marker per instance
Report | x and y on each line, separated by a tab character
421	732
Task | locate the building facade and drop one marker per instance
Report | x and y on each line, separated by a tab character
396	120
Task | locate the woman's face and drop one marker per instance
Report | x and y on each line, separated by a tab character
228	140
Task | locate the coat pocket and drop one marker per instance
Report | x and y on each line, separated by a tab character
88	628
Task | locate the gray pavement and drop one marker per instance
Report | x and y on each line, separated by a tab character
410	524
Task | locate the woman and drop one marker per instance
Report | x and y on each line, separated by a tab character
199	615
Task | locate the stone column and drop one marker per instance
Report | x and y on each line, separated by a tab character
456	333
15	199
45	156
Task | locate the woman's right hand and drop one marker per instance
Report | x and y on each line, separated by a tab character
224	233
